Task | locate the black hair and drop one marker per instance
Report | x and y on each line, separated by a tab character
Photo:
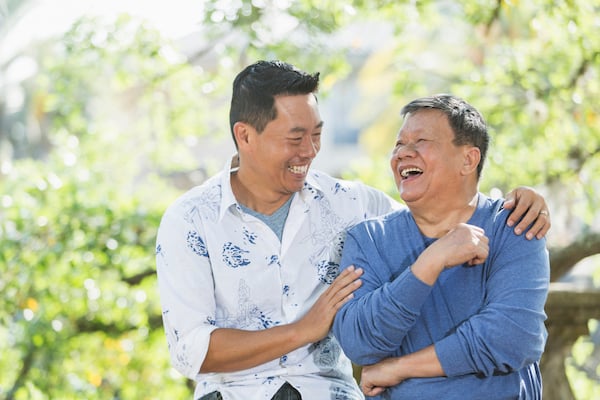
255	88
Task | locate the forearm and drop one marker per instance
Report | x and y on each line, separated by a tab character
394	370
494	341
234	349
420	364
373	327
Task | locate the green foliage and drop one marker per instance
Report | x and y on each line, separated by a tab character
533	71
298	32
581	369
122	110
107	77
80	315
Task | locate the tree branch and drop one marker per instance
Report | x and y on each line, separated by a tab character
495	15
83	325
138	278
582	69
563	259
26	367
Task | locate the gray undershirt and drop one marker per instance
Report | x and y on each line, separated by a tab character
275	221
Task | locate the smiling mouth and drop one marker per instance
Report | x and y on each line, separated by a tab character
408	172
298	169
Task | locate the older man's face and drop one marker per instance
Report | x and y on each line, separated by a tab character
425	162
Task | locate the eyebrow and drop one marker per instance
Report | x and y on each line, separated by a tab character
301	129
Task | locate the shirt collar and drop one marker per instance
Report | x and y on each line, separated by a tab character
227	197
312	187
310	191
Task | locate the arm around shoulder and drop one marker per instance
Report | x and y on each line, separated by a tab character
508	332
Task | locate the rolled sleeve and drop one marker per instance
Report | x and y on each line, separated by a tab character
187	294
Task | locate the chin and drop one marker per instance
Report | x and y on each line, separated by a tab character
295	188
407	197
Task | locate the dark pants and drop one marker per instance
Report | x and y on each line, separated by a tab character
286	392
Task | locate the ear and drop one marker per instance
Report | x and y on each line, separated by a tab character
471	158
241	131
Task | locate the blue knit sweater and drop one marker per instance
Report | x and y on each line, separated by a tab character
486	321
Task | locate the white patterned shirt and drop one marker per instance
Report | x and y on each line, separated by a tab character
219	267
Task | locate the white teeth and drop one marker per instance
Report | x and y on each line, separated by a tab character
298	169
405	173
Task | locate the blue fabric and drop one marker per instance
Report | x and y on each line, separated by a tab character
275	221
486	321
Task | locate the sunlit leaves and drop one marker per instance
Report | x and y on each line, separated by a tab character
70	247
120	109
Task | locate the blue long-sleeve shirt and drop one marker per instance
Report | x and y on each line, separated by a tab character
486	322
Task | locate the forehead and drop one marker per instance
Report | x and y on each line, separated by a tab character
426	121
296	104
296	113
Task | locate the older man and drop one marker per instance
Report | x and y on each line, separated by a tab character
452	301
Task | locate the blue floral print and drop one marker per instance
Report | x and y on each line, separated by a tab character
327	271
233	256
195	242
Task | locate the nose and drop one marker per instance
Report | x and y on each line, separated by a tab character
309	148
404	150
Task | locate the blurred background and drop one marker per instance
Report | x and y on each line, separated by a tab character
110	109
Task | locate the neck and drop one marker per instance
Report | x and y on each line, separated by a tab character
254	197
438	219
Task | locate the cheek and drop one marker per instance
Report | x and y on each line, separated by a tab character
316	144
394	168
393	161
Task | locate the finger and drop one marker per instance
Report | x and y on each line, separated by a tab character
476	261
479	257
346	272
481	239
545	228
343	281
366	388
485	241
529	219
481	253
342	289
540	227
524	215
372	390
345	295
479	230
346	276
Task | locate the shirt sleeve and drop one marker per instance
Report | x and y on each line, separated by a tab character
508	332
372	325
379	203
186	291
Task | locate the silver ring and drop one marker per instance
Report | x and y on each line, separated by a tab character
544	212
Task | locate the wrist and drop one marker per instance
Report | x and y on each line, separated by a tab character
428	267
402	369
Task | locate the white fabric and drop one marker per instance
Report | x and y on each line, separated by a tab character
220	267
